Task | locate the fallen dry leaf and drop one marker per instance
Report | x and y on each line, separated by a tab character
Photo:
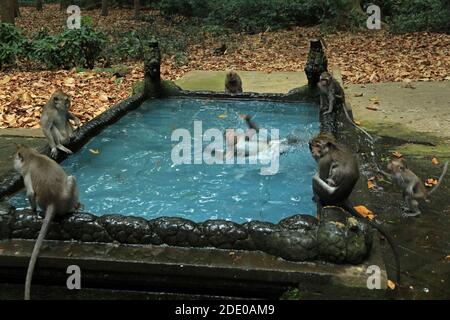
397	154
222	116
370	184
357	122
359	94
5	79
363	211
103	98
391	284
372	107
69	82
96	151
435	161
431	182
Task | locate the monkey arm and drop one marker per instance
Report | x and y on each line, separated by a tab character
77	121
329	189
321	102
384	173
251	124
47	129
331	97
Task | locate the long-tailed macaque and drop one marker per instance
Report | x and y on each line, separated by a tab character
49	187
412	187
331	93
337	174
55	122
233	82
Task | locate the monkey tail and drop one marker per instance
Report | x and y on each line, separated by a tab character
49	213
444	171
344	106
393	245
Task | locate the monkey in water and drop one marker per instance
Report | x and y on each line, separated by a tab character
337	174
332	92
49	187
412	187
55	122
233	82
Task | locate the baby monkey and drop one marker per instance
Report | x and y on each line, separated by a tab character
412	187
233	82
49	187
55	122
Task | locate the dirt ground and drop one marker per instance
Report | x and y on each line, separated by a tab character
421	107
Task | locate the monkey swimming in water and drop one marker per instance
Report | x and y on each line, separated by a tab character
412	187
233	82
337	174
49	187
331	93
55	122
241	144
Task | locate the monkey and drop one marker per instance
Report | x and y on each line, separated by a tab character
49	187
331	92
410	184
337	175
233	82
55	122
220	51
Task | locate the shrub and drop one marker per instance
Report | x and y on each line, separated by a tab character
71	48
415	15
12	43
421	15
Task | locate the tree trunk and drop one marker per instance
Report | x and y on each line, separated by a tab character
7	11
16	8
104	8
137	8
63	4
39	5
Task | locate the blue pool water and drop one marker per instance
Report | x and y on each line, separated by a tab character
127	168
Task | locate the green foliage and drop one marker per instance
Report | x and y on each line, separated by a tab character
126	46
12	43
137	88
254	16
421	15
71	48
415	15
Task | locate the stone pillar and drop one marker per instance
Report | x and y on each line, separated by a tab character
316	64
152	69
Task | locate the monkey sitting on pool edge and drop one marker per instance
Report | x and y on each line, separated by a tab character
233	82
49	187
337	174
331	93
55	122
412	187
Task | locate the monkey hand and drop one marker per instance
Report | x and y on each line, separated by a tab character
54	152
62	148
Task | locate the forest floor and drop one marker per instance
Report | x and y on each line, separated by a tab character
363	57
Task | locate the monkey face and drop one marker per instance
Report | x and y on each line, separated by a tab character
232	76
61	101
396	166
18	161
325	78
317	149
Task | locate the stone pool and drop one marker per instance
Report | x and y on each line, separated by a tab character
128	169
